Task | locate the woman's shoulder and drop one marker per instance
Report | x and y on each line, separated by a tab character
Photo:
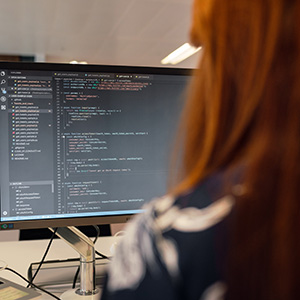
188	213
166	237
197	209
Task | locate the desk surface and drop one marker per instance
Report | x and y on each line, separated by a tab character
20	254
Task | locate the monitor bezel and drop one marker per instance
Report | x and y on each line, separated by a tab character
81	221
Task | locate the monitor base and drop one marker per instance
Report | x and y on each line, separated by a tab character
72	295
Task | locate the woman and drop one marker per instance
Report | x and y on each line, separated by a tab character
229	227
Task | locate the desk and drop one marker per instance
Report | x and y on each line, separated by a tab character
20	254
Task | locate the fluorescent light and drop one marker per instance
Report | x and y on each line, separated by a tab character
180	54
74	62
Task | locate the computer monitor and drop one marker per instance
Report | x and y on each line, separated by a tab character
83	144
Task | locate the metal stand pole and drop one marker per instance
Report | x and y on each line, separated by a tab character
84	246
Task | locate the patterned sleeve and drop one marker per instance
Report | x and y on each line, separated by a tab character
145	264
167	253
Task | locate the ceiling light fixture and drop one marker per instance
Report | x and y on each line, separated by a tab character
180	54
74	62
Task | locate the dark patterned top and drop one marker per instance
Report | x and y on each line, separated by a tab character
175	249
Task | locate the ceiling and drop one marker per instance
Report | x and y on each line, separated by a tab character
127	32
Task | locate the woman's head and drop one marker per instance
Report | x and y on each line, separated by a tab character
244	109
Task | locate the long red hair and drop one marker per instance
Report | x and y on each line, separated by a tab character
244	109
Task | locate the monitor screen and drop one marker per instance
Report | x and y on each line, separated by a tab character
82	144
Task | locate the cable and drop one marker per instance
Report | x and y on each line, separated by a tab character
43	259
94	242
102	255
30	283
75	277
98	233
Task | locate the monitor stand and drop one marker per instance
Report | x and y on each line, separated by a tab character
85	247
